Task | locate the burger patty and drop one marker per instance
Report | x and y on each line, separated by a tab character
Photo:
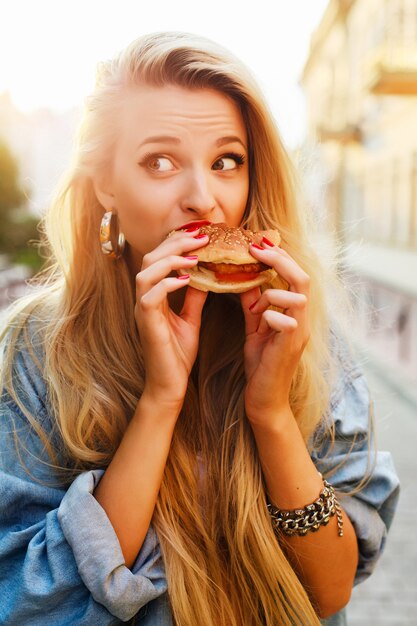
232	268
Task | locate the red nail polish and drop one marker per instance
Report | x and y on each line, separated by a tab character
200	236
195	224
192	230
183	277
268	243
192	257
255	245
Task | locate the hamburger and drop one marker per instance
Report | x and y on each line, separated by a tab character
225	264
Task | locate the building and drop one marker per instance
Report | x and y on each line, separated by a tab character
41	142
360	83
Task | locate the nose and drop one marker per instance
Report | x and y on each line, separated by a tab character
198	197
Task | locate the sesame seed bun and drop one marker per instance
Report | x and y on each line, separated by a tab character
227	254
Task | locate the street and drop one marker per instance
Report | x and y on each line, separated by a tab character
389	596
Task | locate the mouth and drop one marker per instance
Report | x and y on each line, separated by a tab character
195	224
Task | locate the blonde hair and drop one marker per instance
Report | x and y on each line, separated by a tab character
223	562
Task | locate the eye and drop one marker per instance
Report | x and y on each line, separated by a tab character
229	162
157	163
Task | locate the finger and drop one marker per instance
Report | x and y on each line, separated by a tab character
193	306
284	265
178	243
277	322
293	305
290	302
159	270
155	297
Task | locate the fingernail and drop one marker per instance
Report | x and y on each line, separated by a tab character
191	258
268	243
200	236
195	224
183	277
252	306
192	230
255	245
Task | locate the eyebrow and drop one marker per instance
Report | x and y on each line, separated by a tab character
231	139
160	139
175	140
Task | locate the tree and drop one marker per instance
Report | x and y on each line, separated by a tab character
17	226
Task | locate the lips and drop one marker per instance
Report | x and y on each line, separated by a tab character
196	224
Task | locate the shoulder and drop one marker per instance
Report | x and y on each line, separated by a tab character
23	361
27	425
350	400
346	363
26	420
348	416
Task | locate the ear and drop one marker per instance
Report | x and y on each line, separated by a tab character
103	191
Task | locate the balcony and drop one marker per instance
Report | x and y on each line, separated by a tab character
342	134
335	121
392	70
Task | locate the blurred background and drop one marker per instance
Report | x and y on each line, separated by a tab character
341	80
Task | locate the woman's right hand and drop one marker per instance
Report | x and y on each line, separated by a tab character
169	341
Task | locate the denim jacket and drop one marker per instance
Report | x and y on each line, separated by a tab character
60	559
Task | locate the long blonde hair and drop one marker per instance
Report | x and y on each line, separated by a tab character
223	562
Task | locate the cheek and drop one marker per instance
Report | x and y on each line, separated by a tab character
237	197
137	192
143	210
245	191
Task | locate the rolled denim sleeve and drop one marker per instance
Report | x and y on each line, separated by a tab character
98	555
352	458
60	559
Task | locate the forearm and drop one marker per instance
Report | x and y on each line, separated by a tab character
129	487
325	562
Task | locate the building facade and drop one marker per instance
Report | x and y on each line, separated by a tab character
360	83
41	142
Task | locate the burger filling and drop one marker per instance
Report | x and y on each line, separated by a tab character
233	272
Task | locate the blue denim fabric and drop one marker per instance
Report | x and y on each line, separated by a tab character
60	559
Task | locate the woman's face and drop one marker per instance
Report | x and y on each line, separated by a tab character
181	155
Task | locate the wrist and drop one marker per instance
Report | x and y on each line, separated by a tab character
158	407
271	419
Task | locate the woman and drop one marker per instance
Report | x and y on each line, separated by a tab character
146	425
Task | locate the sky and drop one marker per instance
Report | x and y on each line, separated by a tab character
49	49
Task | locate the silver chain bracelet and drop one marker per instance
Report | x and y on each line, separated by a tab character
311	517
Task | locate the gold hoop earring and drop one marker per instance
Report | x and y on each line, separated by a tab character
112	241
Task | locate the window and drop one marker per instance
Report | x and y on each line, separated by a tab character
413	202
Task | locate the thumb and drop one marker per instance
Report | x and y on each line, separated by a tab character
193	305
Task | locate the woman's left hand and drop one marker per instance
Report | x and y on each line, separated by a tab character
274	341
